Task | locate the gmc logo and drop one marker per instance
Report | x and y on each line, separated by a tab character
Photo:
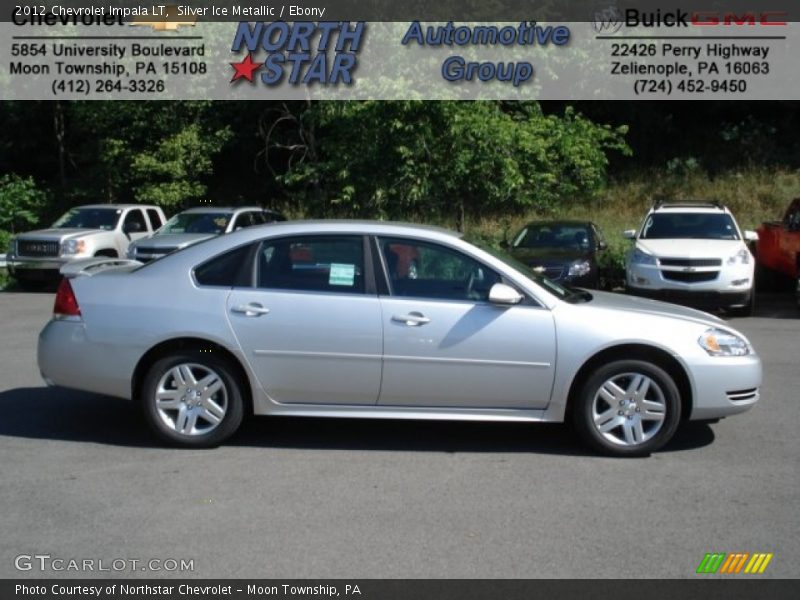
739	20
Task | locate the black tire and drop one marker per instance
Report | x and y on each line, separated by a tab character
199	363
749	309
665	392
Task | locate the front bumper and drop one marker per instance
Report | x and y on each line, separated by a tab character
717	287
698	299
725	386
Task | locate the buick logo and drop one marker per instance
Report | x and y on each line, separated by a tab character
607	21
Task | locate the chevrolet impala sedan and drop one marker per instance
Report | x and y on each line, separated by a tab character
320	319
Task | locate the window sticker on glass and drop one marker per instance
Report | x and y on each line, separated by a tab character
342	274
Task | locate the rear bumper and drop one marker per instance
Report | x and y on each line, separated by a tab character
67	358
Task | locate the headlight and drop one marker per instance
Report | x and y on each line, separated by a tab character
741	257
73	247
718	342
579	268
642	258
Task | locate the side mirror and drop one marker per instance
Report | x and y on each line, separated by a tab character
629	234
504	294
505	244
750	236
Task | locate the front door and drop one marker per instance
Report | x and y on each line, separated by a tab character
445	345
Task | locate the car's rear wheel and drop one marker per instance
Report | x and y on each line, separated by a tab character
192	400
627	408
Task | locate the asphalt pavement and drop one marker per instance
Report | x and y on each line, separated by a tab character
81	478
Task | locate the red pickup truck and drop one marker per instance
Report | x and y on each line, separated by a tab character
778	249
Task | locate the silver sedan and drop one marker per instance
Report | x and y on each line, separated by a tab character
380	320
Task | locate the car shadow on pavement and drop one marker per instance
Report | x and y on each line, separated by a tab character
72	416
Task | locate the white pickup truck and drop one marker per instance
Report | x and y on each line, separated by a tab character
82	232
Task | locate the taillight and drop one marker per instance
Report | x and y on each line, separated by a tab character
66	305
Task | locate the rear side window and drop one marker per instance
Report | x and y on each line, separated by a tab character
231	269
155	218
316	264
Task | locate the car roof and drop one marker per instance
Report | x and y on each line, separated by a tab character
692	206
115	206
217	209
560	222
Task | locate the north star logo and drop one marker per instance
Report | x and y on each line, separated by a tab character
299	53
169	20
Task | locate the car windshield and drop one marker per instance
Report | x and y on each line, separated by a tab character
189	222
89	218
554	235
559	291
689	225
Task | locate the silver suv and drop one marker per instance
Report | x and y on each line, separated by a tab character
198	224
81	232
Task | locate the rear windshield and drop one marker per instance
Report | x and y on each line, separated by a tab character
698	226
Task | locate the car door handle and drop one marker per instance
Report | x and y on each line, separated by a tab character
413	319
250	310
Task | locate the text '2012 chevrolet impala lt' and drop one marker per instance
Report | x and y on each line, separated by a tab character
327	319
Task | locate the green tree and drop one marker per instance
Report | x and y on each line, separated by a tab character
20	202
433	159
172	172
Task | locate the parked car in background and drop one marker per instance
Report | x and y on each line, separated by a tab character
309	319
692	253
198	224
84	231
564	251
778	249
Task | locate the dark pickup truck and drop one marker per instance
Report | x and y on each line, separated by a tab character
778	249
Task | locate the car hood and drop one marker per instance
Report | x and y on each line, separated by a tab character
688	248
636	304
57	235
549	255
172	240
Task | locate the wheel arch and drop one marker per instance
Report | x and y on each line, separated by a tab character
645	352
171	346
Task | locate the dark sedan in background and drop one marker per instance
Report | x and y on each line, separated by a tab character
564	251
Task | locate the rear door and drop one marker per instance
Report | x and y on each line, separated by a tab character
311	328
445	345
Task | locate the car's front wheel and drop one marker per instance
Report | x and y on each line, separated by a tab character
627	408
192	399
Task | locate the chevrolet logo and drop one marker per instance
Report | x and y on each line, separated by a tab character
689	269
169	21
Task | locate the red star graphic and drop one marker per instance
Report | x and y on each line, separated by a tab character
245	68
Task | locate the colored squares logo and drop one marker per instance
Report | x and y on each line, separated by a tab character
734	563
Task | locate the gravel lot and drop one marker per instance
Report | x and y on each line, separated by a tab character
80	477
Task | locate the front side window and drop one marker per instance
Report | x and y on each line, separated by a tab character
423	270
134	221
313	263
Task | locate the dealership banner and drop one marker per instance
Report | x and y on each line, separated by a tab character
262	51
397	589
